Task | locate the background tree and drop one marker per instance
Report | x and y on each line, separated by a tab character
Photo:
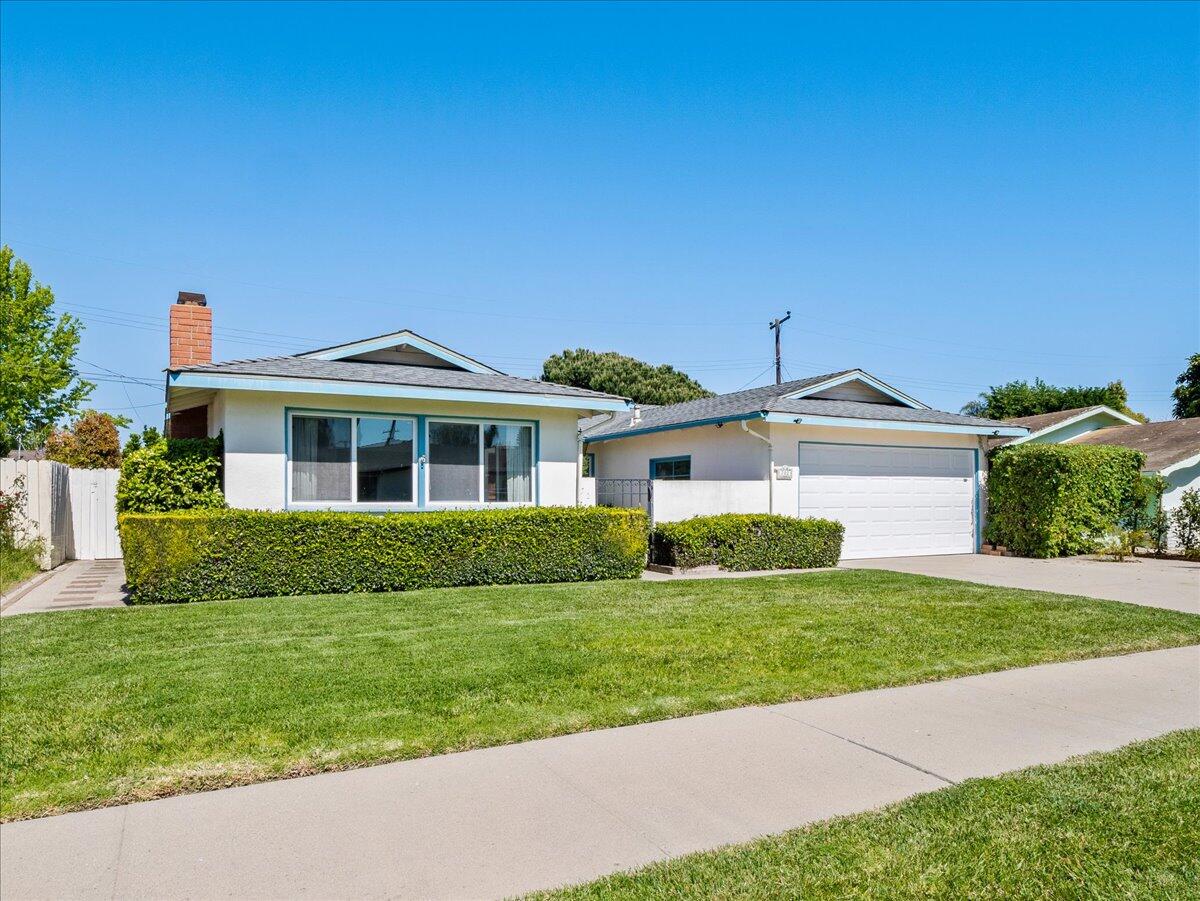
150	435
37	353
1187	390
92	442
1020	398
615	373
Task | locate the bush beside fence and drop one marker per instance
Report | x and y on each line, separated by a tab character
201	555
747	541
1048	500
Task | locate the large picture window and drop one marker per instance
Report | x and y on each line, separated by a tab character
336	459
480	462
347	459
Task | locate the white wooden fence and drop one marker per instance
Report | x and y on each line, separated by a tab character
73	511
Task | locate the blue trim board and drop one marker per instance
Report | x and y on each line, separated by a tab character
675	459
904	426
421	451
716	420
409	392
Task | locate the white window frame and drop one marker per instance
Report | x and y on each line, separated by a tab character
353	501
480	502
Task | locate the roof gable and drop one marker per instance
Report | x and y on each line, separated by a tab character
855	385
1064	425
405	348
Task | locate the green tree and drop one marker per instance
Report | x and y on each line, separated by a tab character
150	435
1020	398
37	358
1187	390
615	373
92	442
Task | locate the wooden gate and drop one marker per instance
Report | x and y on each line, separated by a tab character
94	514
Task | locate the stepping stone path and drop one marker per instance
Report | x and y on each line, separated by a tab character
76	585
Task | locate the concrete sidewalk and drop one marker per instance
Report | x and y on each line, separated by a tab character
501	821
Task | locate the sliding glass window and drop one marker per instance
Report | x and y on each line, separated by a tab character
385	460
508	463
344	459
321	467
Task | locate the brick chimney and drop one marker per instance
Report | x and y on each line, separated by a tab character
191	331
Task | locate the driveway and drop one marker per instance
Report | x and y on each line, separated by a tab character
1172	584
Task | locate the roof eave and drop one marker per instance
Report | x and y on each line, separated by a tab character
995	431
232	382
1080	417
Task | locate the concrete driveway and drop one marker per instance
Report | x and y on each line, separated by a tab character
1172	584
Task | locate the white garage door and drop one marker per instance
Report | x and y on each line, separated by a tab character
893	501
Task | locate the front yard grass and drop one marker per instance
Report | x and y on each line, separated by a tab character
1125	824
106	706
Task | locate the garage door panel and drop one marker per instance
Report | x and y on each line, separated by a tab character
893	501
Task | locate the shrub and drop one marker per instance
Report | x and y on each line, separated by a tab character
171	474
1186	520
1047	500
20	545
212	555
741	541
91	443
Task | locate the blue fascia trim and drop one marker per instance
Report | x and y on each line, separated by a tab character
410	392
402	337
847	422
716	420
421	453
674	459
859	375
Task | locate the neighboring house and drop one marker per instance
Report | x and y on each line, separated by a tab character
901	477
1172	448
396	422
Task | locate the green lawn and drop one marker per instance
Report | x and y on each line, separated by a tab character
17	565
1120	825
102	706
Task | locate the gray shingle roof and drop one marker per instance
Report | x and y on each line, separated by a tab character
771	399
1163	443
389	374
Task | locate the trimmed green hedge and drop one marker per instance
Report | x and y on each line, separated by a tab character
205	555
1050	500
171	474
748	541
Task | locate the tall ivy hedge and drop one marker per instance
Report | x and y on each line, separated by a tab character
748	541
202	555
171	474
1050	500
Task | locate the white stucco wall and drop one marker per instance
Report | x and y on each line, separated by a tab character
255	456
728	454
1178	482
718	453
676	500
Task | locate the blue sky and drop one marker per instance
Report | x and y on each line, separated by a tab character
948	196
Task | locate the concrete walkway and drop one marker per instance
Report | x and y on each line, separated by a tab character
505	820
1173	584
75	585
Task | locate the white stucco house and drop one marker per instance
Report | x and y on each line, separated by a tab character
1172	447
395	422
904	479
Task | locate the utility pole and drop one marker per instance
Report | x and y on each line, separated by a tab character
776	325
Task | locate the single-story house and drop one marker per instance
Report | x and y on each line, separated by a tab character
901	477
1172	447
394	422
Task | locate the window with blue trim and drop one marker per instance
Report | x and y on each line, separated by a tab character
671	468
